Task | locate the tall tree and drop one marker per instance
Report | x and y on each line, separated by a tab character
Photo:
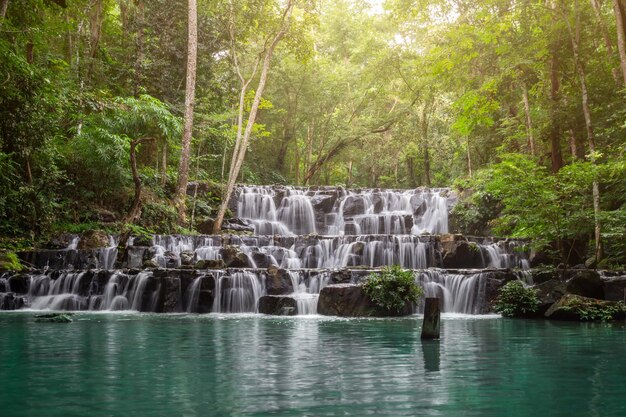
243	135
190	91
620	17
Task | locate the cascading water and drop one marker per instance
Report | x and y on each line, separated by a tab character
309	233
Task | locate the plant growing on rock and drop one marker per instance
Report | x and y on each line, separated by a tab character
392	288
516	300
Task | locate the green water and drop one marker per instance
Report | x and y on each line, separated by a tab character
149	365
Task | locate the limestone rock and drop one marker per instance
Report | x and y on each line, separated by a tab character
586	284
278	281
614	288
549	292
93	239
234	257
349	300
278	305
575	307
457	252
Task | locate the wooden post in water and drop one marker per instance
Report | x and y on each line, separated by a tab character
430	327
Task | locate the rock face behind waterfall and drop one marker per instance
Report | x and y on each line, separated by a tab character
349	300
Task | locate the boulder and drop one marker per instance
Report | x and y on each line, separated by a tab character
575	307
341	276
261	260
349	300
187	258
548	293
10	301
19	284
278	281
614	288
457	252
171	259
93	239
586	284
323	203
353	205
171	295
150	263
234	257
278	305
205	227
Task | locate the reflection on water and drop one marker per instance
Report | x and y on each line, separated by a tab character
211	365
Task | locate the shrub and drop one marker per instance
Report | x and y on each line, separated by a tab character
10	262
392	288
516	300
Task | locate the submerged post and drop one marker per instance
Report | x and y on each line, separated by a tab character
430	327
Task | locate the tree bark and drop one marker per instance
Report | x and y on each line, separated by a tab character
555	130
3	10
469	157
242	145
425	145
95	27
136	207
190	92
620	17
529	121
575	39
139	46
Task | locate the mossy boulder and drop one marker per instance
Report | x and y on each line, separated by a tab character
93	239
577	308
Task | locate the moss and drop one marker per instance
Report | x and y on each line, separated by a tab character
10	262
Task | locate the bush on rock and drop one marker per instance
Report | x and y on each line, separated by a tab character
516	300
392	288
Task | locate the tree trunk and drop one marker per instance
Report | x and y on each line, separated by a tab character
4	5
240	149
575	39
529	121
620	17
136	207
139	47
190	91
469	157
95	27
425	145
164	165
555	131
410	167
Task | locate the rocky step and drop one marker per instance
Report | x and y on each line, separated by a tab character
409	251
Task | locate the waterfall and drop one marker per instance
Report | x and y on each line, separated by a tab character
343	212
460	293
238	292
308	232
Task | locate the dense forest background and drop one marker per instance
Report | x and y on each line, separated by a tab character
518	104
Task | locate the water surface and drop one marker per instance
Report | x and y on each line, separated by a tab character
232	365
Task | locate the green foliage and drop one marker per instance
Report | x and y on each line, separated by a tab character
10	262
392	288
596	311
516	300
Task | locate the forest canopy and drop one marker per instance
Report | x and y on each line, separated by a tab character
518	104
